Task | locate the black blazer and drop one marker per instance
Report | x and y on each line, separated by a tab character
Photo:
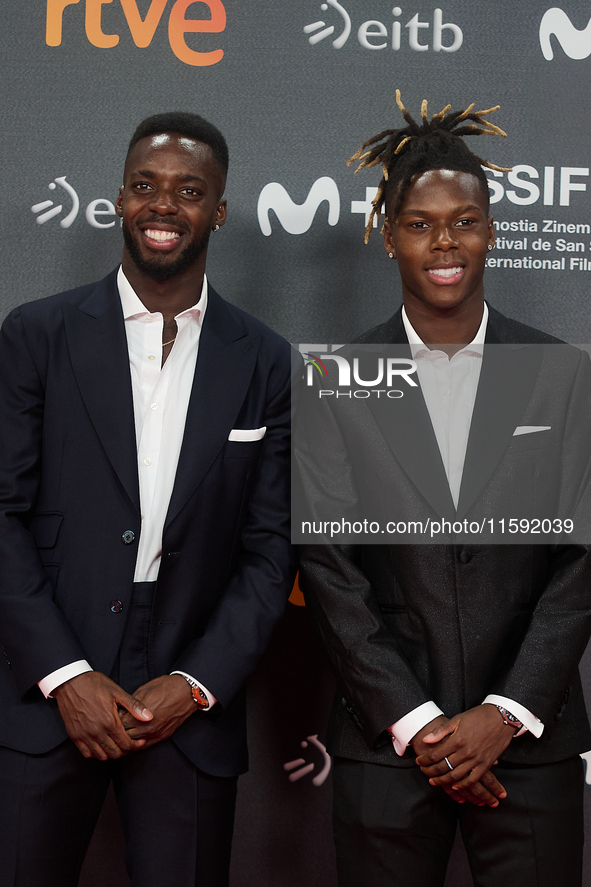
408	623
70	513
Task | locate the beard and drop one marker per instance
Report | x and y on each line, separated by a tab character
158	267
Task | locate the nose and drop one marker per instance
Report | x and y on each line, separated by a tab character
163	202
445	238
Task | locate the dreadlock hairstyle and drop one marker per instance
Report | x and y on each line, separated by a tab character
432	144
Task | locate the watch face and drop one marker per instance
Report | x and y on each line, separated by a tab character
199	697
509	718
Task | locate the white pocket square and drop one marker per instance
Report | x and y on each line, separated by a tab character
530	429
246	434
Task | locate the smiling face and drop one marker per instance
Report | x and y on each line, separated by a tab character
440	239
169	203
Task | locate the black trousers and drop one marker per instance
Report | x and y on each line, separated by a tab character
392	829
177	820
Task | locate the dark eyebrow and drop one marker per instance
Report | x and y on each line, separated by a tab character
455	212
181	177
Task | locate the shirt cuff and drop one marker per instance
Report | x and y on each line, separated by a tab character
403	730
210	697
58	677
529	721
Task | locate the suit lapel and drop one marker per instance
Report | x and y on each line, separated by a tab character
506	382
95	335
225	365
407	428
507	379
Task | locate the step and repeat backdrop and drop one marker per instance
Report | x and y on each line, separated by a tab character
296	86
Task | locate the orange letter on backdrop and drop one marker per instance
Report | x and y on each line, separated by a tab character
55	11
94	31
143	30
178	26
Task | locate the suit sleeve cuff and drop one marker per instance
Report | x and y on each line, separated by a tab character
58	677
529	720
402	731
210	697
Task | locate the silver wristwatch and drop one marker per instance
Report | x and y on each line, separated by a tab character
510	719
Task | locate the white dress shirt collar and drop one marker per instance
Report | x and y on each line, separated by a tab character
134	307
417	345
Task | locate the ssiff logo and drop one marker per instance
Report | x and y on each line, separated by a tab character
576	44
143	29
374	34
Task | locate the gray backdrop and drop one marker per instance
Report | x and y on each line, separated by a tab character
294	98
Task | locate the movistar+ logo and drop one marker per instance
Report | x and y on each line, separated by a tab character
575	44
297	218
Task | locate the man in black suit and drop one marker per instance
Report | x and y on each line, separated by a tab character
457	663
144	537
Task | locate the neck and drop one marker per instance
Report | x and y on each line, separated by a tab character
169	297
448	329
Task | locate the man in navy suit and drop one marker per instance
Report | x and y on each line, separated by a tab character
144	537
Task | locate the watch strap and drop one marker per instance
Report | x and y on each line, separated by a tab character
198	694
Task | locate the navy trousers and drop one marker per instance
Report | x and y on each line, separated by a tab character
177	820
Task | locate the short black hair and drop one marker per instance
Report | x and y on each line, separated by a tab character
416	148
186	124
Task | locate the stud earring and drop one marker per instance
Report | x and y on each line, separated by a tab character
217	228
391	255
490	246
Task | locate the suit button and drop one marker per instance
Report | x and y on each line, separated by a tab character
116	606
465	557
128	537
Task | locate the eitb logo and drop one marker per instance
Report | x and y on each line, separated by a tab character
432	34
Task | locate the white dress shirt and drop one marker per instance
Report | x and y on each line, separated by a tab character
449	386
160	402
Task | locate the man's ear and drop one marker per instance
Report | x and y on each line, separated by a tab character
221	213
119	201
491	233
388	242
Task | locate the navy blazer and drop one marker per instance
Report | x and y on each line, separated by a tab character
409	623
70	513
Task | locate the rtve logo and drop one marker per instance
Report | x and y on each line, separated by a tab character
143	29
576	44
375	34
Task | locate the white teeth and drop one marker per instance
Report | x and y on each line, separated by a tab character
445	272
161	235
